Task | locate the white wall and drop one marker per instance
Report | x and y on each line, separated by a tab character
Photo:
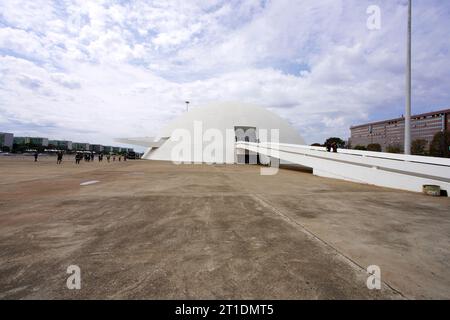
382	169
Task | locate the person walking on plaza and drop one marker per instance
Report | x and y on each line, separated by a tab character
36	155
108	156
60	157
78	157
124	157
334	146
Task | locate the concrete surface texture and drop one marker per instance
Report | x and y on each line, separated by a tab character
154	230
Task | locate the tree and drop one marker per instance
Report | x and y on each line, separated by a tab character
394	148
374	147
339	142
316	145
19	147
418	147
360	147
439	146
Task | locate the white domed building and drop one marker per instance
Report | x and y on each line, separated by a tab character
208	134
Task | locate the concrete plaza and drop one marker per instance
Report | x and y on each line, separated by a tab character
155	230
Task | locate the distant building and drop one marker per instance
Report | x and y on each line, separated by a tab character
60	144
21	140
107	149
6	140
34	141
80	146
96	148
116	149
392	131
39	141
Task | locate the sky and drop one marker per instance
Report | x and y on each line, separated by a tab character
96	70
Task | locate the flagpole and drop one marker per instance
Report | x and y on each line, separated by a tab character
408	85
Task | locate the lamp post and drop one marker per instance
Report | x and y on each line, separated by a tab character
187	106
408	85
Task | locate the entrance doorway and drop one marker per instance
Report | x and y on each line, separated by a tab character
247	134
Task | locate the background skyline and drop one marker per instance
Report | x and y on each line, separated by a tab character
94	71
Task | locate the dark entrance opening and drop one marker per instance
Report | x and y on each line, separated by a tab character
247	134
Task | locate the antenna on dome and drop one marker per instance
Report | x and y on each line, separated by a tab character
187	106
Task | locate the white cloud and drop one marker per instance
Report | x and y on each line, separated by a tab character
23	43
66	80
30	82
27	15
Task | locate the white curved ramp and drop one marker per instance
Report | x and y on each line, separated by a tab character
397	171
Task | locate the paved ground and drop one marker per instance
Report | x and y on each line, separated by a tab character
155	230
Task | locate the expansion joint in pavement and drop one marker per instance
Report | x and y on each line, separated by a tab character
309	233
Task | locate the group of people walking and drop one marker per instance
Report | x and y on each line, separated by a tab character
91	157
331	146
88	157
